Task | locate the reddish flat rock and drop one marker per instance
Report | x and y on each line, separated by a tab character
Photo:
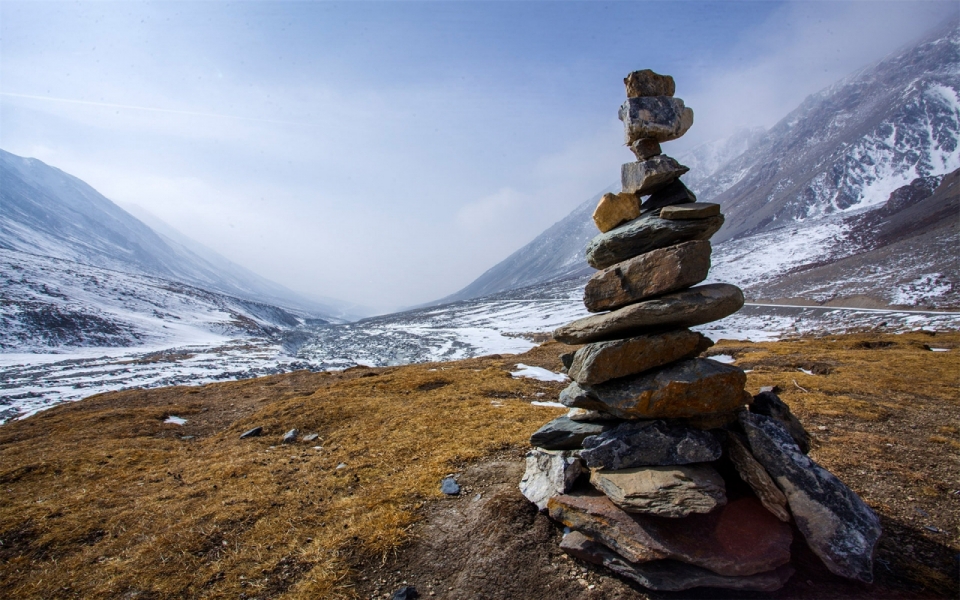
739	539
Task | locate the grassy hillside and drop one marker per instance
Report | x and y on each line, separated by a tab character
101	498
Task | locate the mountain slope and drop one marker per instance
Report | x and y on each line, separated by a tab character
47	212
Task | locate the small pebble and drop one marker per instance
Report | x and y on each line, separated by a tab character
450	487
251	433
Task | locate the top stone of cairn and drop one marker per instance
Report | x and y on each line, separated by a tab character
647	83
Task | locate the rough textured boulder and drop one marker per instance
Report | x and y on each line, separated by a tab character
647	83
549	474
565	434
650	274
770	405
615	209
645	148
686	308
838	526
647	176
602	361
649	443
686	388
661	118
646	233
699	210
670	194
669	575
674	491
738	539
757	478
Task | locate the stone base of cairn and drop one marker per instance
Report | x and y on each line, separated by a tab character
666	470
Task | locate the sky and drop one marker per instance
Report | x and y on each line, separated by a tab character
388	153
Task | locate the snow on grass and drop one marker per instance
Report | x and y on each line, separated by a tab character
175	420
547	404
538	373
723	358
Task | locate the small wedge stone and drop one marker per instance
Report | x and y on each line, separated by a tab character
565	434
670	194
647	176
615	209
645	148
753	473
647	83
680	212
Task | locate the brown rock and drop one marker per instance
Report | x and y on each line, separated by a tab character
738	539
646	233
650	274
602	361
670	194
648	83
614	209
645	148
647	176
686	308
680	212
669	575
660	118
757	478
687	388
674	491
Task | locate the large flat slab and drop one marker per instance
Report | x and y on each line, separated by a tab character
686	308
563	433
674	491
646	233
650	274
738	539
687	388
649	443
647	176
670	575
602	361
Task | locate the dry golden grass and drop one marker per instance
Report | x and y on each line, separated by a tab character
101	499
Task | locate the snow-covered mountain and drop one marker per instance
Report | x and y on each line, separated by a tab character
47	212
789	193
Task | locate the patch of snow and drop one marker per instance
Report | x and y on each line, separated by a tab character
549	404
723	358
538	373
175	420
939	349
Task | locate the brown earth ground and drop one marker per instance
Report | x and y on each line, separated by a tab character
100	498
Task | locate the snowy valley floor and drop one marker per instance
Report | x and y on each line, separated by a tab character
505	324
110	497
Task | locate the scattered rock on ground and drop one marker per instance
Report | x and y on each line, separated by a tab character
251	433
449	486
290	436
407	592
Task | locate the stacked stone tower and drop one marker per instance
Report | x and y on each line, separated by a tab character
692	481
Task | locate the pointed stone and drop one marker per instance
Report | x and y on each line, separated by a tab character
838	526
647	176
614	210
649	443
753	473
662	118
565	434
686	308
647	83
687	388
670	194
602	361
738	539
646	233
681	212
650	274
674	491
645	148
669	575
549	474
769	404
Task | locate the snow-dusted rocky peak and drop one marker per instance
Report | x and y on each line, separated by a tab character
709	158
848	147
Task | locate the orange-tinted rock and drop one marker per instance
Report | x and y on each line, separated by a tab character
648	83
614	209
602	361
739	539
653	273
673	491
682	389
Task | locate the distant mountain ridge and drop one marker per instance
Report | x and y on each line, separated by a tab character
47	212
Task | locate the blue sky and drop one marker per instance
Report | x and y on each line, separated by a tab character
389	153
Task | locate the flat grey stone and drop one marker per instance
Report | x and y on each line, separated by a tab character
662	118
684	389
838	526
310	437
647	176
645	233
669	575
251	433
673	491
602	361
565	434
450	487
696	210
686	308
649	443
650	274
548	474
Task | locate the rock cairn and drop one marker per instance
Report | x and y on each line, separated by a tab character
666	470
